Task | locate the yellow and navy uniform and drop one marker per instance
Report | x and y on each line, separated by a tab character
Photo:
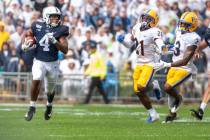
146	53
177	75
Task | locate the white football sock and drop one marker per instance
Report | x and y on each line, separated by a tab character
49	104
156	84
152	112
171	101
33	103
203	106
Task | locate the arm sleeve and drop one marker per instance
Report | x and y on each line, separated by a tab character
193	41
159	45
33	28
128	42
157	36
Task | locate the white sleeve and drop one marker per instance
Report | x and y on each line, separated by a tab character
157	36
128	42
159	45
193	40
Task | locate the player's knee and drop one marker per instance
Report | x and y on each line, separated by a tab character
167	88
141	89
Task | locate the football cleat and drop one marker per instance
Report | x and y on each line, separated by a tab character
151	119
48	112
170	118
30	113
198	114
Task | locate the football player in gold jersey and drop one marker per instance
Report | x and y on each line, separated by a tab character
182	66
149	43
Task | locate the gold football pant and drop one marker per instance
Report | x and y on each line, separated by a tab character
142	76
177	76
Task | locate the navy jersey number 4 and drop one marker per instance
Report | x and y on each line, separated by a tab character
45	51
45	43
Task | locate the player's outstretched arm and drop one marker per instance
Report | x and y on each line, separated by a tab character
203	44
62	45
127	40
186	58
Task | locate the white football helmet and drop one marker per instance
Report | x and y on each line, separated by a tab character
48	11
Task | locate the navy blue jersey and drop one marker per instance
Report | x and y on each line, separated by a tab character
207	37
46	51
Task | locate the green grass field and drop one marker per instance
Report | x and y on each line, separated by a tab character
99	122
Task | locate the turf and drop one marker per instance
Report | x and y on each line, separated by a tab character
99	122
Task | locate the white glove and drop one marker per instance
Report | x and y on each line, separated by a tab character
26	46
161	65
165	64
51	38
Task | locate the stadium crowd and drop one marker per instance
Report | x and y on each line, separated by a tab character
93	21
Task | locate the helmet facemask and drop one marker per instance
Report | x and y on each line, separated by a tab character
184	26
145	22
54	20
52	16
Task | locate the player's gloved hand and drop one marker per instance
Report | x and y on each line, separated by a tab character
26	46
161	65
51	38
165	64
120	38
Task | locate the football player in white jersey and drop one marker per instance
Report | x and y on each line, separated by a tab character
149	44
182	66
206	97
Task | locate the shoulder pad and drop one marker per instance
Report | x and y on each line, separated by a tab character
193	39
63	31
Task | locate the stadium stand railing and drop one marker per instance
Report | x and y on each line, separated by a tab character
74	87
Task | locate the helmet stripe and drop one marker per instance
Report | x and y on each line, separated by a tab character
148	11
185	15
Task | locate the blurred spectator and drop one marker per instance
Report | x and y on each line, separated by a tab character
5	56
165	13
175	8
16	37
111	80
10	26
27	14
13	61
69	68
25	59
97	71
72	13
14	8
84	52
206	12
40	4
3	35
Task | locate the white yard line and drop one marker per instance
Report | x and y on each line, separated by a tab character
142	135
